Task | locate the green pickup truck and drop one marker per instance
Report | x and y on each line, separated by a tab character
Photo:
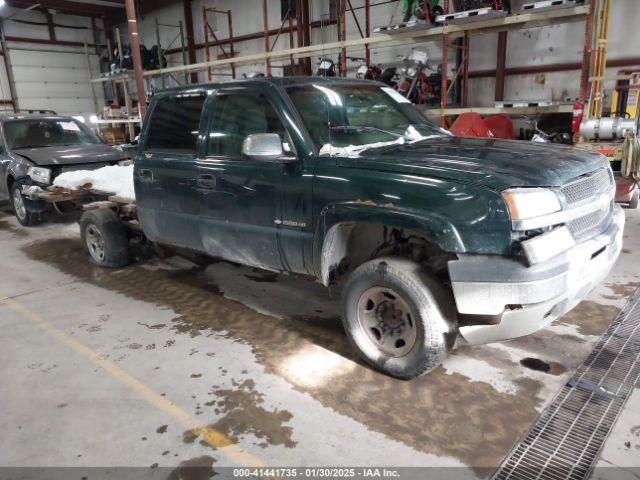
426	235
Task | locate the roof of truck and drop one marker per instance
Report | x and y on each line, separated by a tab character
277	81
4	116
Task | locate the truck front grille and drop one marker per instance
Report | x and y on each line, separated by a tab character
582	225
586	186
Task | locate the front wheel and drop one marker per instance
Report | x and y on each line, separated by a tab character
105	238
22	209
398	316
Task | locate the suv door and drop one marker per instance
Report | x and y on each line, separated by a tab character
165	171
241	197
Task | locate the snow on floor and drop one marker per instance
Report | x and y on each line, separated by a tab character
117	179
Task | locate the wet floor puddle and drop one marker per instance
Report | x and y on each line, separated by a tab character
442	413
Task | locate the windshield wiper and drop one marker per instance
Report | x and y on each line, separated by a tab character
351	128
437	132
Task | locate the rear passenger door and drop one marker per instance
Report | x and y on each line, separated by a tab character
241	197
165	171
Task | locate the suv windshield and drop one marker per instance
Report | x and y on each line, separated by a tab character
342	115
47	132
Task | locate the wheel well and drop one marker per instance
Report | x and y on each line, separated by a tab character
10	181
349	245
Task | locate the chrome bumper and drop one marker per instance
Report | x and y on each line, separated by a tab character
525	299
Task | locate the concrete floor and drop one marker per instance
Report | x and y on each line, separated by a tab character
167	364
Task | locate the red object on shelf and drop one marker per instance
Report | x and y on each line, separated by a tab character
470	125
501	126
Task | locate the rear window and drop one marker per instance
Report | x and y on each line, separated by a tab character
174	124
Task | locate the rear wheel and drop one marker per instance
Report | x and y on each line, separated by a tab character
398	316
22	209
105	238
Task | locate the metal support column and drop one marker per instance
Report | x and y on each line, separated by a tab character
265	23
233	54
159	54
137	61
445	68
586	57
342	20
184	50
367	30
191	46
96	108
501	62
299	35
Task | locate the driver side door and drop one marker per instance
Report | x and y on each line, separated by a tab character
241	198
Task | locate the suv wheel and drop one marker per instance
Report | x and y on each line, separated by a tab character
398	316
23	212
105	238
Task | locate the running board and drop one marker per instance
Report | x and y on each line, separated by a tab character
566	439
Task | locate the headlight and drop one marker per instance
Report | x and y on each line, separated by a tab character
411	71
39	175
526	203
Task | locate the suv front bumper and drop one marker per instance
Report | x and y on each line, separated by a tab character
525	299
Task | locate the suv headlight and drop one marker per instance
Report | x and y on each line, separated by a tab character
524	203
39	175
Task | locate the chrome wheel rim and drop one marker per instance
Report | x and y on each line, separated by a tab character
18	204
95	243
386	321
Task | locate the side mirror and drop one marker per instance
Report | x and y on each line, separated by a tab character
266	147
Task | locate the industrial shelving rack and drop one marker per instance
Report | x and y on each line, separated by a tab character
444	34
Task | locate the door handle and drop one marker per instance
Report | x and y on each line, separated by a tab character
145	174
206	181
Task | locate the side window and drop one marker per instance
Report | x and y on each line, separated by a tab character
237	116
174	124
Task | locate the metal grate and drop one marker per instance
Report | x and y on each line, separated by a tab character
565	441
586	186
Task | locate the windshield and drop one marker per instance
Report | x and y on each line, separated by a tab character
46	132
358	115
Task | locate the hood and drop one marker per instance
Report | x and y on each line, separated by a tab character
71	154
497	164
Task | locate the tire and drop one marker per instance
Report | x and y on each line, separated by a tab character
25	215
405	336
633	203
435	12
105	238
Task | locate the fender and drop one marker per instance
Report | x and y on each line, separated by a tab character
337	220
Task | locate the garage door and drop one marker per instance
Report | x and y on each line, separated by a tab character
53	81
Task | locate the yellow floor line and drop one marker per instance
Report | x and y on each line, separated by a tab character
210	436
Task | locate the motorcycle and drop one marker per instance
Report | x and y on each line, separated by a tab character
152	59
326	68
422	10
541	136
416	85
